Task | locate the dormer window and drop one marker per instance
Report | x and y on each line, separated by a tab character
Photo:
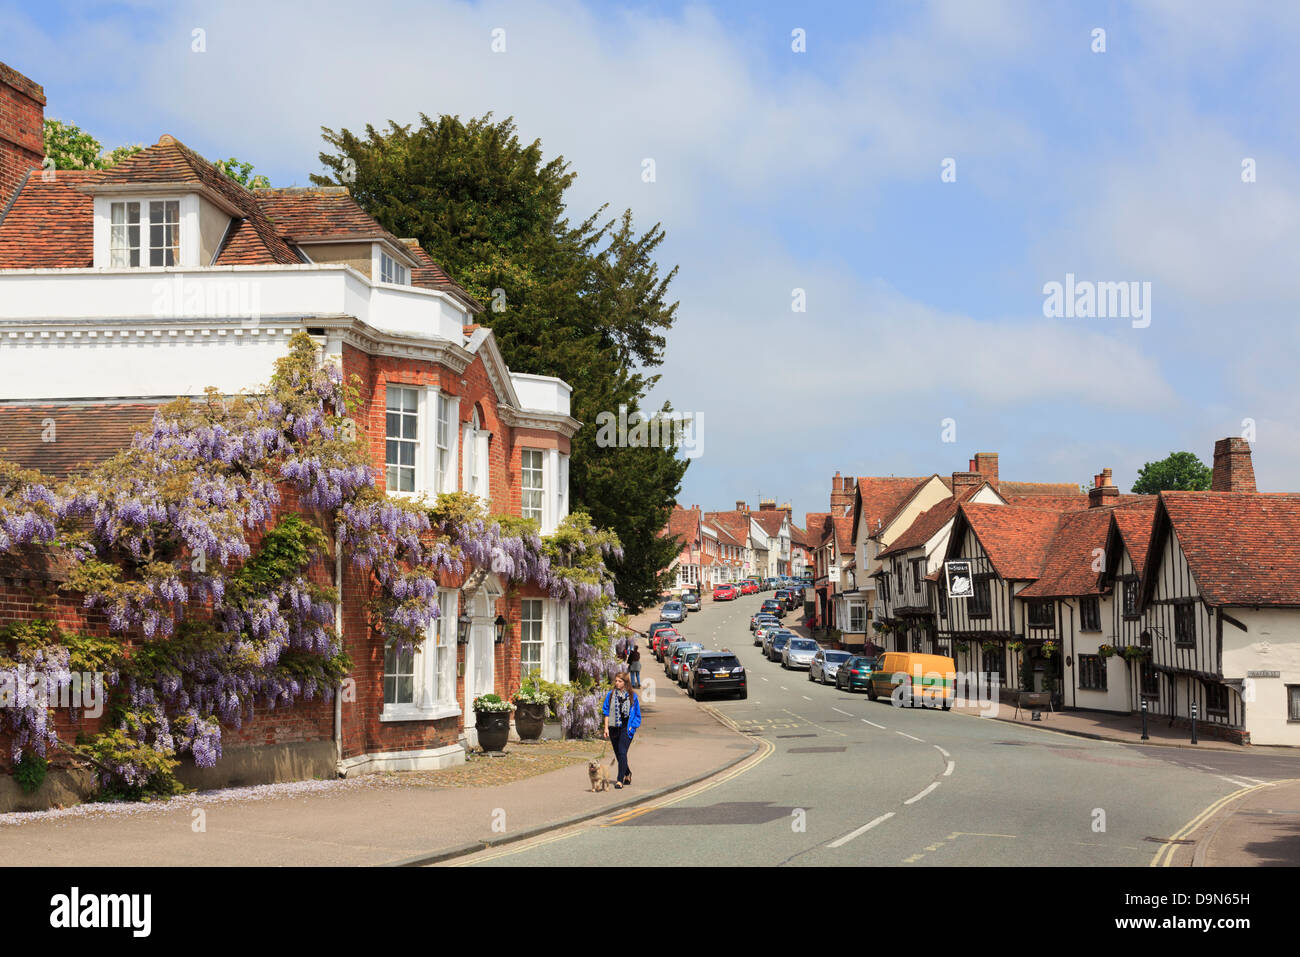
161	244
390	270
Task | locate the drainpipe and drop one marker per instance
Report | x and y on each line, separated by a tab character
338	628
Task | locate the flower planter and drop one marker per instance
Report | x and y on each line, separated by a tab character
529	719
493	729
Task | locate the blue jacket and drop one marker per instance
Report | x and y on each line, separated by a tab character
634	713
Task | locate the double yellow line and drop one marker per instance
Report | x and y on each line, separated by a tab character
1165	856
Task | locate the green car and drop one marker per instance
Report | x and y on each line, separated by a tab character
855	674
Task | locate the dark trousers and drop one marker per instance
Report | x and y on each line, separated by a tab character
619	741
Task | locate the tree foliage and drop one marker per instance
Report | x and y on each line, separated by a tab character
1180	471
70	147
584	300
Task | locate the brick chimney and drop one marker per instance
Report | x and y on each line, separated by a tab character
22	135
1233	469
767	505
841	493
740	507
961	481
986	464
1103	491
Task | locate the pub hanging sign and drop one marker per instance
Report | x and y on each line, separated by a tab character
957	574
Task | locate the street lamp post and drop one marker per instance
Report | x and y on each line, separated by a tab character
1145	736
1194	741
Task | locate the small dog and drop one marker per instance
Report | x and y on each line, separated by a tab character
599	775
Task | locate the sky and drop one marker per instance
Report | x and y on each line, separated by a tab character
916	173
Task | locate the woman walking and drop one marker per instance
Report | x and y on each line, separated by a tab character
634	664
622	713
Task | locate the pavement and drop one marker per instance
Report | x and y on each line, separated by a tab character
375	819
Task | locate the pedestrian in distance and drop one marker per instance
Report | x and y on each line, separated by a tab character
634	664
622	712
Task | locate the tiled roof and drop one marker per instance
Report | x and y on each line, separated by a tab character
769	521
83	434
1016	539
923	528
736	523
1134	524
725	535
1009	489
1071	565
50	224
1243	548
843	526
684	523
881	498
1057	503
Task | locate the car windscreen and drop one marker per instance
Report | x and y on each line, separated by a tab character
837	656
780	640
719	662
803	644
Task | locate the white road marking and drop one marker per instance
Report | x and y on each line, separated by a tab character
762	677
906	735
1237	781
874	725
784	688
806	698
860	831
916	797
951	765
942	751
841	712
1252	780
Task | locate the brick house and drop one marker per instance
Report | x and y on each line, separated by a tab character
125	288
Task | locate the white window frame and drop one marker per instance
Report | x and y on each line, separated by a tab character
435	677
532	462
417	467
557	633
532	633
390	271
187	228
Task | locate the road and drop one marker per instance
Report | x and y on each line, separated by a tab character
841	780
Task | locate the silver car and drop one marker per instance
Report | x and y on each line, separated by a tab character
674	611
826	664
691	600
798	653
678	654
774	643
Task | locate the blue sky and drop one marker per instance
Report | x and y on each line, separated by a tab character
820	170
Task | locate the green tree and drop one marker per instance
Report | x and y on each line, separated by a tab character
584	301
242	173
1182	471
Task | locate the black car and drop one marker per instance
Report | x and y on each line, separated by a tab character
855	673
778	643
717	672
786	596
774	607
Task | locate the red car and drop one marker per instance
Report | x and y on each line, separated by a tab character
749	588
662	639
724	593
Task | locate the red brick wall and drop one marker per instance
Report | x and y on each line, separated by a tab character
22	137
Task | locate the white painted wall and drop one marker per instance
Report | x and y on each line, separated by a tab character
1270	643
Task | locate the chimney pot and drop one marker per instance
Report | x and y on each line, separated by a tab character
1103	491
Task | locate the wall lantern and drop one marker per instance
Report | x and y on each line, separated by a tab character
462	629
501	629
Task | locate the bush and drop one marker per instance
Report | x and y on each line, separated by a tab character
30	770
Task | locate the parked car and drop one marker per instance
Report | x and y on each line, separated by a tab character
666	655
825	664
657	627
717	672
786	597
776	643
725	593
691	600
855	673
798	653
673	611
759	617
688	661
773	607
764	629
927	680
748	588
663	639
677	653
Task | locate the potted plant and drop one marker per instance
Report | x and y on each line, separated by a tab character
1016	645
1049	649
492	721
992	646
1105	651
1133	652
532	705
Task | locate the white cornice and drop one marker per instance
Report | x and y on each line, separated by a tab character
161	189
